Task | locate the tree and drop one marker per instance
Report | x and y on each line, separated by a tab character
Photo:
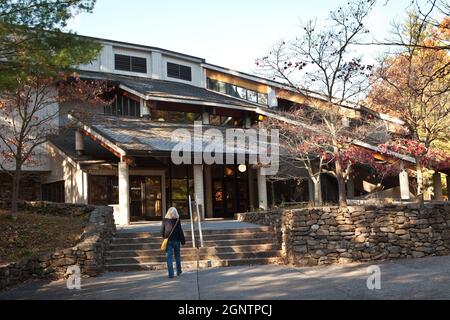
27	117
35	56
430	14
323	65
32	39
305	145
414	84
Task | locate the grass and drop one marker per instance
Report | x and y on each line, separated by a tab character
34	233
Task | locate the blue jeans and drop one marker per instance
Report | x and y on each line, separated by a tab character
173	247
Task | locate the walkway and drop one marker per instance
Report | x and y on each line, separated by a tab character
427	278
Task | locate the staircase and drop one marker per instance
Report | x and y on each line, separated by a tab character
222	248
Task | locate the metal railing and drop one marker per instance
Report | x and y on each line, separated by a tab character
199	221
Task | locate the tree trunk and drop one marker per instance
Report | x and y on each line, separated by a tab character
15	192
341	186
317	191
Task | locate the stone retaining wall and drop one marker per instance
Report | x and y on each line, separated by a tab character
88	254
317	236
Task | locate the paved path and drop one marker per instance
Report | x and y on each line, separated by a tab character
427	278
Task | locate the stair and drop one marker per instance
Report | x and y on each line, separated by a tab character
222	248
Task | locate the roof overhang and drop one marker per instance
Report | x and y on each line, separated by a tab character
185	101
358	143
98	137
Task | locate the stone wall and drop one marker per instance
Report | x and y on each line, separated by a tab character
88	254
30	187
317	236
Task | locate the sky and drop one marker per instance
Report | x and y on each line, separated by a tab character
229	33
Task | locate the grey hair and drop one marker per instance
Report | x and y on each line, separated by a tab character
172	213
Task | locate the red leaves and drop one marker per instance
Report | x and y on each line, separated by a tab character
92	92
430	158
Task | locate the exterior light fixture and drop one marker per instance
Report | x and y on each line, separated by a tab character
261	118
242	168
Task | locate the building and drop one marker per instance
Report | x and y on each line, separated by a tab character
121	155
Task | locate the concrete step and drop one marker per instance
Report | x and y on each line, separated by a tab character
189	265
206	237
216	243
187	231
193	257
192	251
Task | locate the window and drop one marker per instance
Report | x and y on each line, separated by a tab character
179	71
130	64
181	186
124	106
252	96
242	93
175	116
238	92
225	121
54	192
103	190
263	98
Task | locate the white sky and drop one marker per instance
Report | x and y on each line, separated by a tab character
229	33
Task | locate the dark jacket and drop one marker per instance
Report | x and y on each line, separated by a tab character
166	229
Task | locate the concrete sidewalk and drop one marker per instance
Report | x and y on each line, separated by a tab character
427	278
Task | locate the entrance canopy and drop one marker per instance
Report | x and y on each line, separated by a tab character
137	137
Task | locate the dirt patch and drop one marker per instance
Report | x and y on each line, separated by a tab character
35	233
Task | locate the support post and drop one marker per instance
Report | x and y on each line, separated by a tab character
251	188
205	117
248	122
124	194
79	143
437	187
145	111
350	188
448	186
262	191
199	188
404	183
208	192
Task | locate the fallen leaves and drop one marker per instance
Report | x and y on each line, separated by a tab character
35	233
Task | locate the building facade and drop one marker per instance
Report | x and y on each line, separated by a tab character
122	155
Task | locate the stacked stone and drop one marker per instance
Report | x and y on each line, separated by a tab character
328	235
89	254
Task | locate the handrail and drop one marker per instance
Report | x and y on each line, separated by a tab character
199	218
192	222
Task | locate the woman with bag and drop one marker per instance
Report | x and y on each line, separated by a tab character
173	236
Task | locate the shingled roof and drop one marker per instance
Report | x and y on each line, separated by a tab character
168	90
140	137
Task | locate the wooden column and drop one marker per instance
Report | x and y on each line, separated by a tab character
124	194
437	187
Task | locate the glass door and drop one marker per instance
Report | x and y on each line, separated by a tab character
153	198
136	198
146	198
218	197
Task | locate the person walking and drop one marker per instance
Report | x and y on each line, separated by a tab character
172	231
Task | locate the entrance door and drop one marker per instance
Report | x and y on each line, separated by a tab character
153	198
218	195
145	198
224	198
